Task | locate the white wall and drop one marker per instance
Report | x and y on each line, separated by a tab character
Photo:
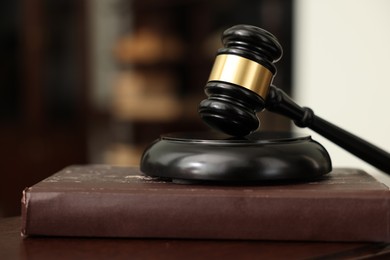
342	69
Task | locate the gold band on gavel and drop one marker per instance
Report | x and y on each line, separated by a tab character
243	72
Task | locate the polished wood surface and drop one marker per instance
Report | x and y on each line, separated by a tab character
13	246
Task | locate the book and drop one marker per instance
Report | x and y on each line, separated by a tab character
107	201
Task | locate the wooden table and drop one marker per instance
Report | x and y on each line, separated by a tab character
13	246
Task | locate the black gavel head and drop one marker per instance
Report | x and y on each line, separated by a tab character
239	81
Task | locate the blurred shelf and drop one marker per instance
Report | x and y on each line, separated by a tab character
164	62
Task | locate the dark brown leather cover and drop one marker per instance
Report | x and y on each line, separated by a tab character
12	246
105	201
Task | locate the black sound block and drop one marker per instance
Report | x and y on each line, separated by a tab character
210	156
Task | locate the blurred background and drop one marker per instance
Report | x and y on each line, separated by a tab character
95	81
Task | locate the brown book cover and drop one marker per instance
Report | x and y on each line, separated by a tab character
106	201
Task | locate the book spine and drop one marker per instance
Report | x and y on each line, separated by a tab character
152	215
24	206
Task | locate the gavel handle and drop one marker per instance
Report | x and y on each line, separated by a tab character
279	102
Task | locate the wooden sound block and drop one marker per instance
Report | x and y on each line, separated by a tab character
261	156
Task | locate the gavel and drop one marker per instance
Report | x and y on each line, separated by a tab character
240	86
